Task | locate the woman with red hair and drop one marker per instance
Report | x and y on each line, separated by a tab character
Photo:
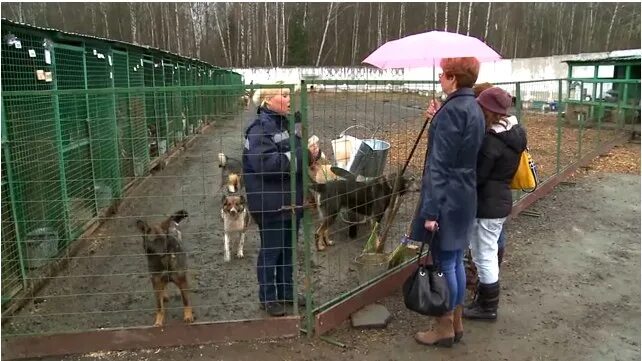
448	201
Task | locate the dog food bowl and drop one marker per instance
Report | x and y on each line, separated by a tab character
370	265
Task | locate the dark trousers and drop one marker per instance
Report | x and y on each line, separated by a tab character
274	265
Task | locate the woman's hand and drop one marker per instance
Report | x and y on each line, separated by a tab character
433	107
432	226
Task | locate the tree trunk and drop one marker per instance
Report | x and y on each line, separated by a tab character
380	25
220	35
284	31
446	17
402	18
369	25
608	35
458	17
243	41
336	38
325	33
434	17
355	36
267	34
470	8
132	21
487	21
177	30
572	29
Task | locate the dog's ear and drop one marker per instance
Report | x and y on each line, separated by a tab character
223	198
242	198
179	216
142	227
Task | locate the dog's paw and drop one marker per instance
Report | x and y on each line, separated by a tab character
159	321
329	242
240	255
188	316
227	258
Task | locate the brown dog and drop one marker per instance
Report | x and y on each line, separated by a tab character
166	262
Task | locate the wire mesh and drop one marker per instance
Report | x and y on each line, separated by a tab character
81	120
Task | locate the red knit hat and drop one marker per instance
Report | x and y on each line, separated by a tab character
495	100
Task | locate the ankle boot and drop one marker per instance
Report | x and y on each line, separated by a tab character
484	306
441	334
458	325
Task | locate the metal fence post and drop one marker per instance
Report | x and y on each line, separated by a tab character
88	124
17	215
293	208
559	128
307	217
116	140
61	159
518	103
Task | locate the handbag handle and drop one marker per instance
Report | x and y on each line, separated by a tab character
421	250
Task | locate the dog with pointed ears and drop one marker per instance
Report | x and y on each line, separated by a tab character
166	262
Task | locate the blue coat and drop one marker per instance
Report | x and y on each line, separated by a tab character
449	185
266	167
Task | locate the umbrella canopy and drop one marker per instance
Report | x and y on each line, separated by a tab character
427	49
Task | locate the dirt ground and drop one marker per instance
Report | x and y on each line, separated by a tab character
561	296
570	291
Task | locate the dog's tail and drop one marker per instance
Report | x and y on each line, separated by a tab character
222	160
179	216
233	183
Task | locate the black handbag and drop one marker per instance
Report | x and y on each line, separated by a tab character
426	290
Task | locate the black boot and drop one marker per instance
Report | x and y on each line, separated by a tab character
484	306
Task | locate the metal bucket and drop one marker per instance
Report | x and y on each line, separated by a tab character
359	157
370	159
41	244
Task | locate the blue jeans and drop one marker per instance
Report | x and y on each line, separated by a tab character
452	266
274	264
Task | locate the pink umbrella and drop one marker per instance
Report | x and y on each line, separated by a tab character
427	49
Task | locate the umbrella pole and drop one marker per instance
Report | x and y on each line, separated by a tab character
434	81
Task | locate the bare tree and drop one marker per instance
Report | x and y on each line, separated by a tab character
402	18
220	35
470	8
608	35
132	21
446	17
458	17
487	20
325	33
267	34
177	30
355	37
380	26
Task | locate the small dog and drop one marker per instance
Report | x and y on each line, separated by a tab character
231	173
166	262
370	198
235	221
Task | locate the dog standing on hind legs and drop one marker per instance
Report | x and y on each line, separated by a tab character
166	262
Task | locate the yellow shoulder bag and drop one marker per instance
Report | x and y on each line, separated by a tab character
526	177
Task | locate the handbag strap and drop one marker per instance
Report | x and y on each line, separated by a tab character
421	250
